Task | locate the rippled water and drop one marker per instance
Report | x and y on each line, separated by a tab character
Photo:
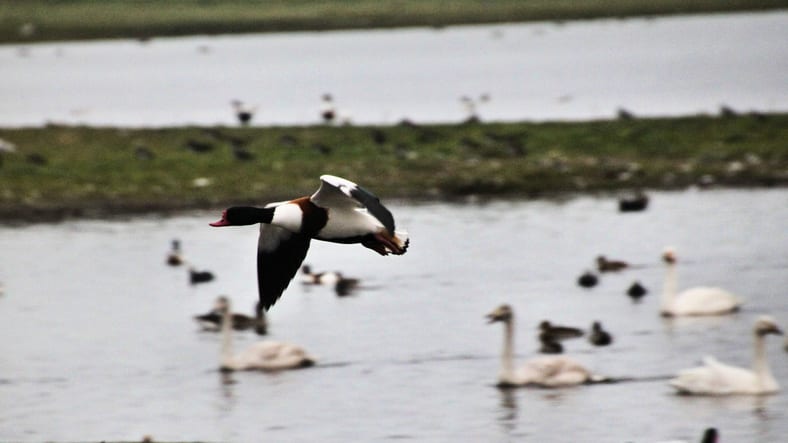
536	71
99	342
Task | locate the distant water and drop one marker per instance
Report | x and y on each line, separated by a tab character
99	344
536	71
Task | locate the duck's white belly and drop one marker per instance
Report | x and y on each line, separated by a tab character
348	224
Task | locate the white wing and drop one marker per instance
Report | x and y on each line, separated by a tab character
705	300
715	378
335	192
553	371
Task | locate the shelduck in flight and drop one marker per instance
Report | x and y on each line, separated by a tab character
340	212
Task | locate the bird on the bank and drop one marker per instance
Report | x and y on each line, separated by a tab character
243	112
340	212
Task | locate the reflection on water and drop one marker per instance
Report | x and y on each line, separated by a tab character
97	319
508	417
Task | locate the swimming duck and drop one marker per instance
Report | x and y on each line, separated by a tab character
559	332
174	258
605	265
588	280
196	277
340	212
633	203
598	336
319	278
636	291
345	286
212	320
549	344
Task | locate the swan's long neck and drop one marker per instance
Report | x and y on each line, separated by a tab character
507	357
759	364
668	288
227	340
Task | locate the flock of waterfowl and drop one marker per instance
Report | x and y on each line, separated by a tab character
340	211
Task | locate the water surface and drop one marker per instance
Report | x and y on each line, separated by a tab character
535	71
100	344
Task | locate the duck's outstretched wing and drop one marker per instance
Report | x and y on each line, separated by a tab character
338	192
279	256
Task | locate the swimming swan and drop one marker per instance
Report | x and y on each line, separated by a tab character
715	378
694	301
552	371
262	355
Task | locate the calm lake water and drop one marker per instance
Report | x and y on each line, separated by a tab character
100	344
536	71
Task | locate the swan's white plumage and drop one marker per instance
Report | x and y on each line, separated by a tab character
551	371
700	300
704	300
547	371
717	378
264	355
268	356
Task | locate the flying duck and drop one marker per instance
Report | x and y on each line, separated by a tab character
340	212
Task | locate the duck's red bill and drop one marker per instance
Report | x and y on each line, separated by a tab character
222	222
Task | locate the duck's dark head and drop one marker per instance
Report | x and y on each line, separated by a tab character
244	215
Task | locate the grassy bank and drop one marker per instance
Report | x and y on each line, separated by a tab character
43	20
60	171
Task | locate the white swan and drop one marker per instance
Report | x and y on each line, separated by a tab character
715	378
694	301
547	371
263	355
